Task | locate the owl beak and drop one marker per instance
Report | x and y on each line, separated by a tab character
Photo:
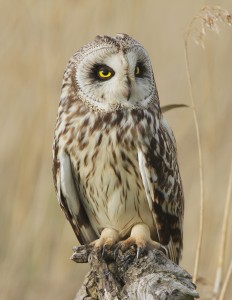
128	91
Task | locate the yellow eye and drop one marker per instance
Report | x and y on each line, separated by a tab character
137	71
104	73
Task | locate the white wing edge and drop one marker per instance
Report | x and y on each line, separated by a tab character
68	185
147	185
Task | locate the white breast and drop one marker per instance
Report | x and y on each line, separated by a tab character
112	188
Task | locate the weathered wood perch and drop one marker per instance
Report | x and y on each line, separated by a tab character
124	276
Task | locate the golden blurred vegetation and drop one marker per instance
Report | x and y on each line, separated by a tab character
37	39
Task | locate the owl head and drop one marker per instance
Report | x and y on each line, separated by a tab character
110	73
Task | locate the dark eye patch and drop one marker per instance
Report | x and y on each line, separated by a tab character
140	70
101	72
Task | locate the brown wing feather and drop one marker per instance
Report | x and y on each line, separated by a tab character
161	170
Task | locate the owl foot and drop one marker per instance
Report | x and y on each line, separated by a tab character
140	237
108	238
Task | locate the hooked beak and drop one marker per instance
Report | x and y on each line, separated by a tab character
127	92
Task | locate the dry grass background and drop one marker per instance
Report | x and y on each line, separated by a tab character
36	40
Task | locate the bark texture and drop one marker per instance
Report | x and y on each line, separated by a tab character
123	275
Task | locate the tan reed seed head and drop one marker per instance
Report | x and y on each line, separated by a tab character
209	18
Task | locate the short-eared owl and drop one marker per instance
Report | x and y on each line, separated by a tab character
115	160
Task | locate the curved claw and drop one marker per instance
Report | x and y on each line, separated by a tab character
105	247
140	250
164	249
117	247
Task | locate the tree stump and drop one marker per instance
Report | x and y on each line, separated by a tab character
122	275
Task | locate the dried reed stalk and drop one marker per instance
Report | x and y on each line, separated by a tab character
218	279
226	282
201	173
